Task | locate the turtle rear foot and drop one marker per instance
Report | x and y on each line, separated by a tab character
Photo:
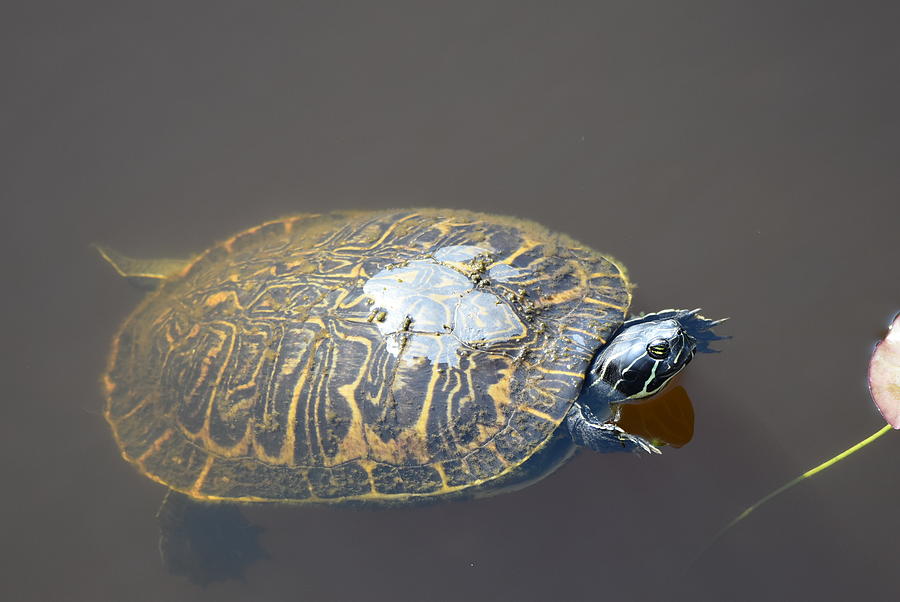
206	542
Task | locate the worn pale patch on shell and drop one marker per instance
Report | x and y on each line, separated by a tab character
430	308
884	375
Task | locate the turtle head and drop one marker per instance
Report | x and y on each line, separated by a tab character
646	353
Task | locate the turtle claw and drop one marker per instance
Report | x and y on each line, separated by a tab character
609	437
206	542
631	442
640	443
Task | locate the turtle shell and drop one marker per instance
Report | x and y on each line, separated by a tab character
389	355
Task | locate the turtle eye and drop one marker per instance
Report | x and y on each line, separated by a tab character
658	349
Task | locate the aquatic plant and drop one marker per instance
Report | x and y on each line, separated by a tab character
884	387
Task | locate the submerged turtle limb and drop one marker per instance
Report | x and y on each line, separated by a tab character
603	437
206	542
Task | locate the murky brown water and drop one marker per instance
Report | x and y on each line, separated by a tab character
736	156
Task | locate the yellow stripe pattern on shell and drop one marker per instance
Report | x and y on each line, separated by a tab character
385	356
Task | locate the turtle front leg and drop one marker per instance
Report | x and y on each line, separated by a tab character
603	436
206	542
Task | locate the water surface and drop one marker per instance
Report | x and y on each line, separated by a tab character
736	156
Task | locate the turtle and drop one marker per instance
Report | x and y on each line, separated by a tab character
380	358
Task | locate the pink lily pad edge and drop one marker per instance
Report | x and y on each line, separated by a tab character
884	375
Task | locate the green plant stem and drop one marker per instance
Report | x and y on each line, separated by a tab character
805	475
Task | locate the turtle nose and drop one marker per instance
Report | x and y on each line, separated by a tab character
690	344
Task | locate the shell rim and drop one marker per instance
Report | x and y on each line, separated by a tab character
444	492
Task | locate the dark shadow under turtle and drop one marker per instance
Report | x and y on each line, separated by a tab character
206	542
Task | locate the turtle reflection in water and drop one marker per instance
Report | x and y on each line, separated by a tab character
375	358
